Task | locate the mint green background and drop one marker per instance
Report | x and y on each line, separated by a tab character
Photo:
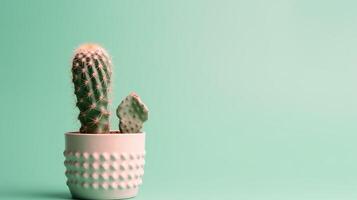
248	99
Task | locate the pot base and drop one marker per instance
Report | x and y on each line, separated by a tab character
79	193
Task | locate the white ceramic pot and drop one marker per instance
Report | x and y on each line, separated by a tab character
104	166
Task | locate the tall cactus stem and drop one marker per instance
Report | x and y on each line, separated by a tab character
91	76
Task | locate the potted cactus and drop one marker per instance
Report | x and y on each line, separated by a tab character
100	163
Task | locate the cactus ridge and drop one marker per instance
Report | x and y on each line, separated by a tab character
91	70
132	113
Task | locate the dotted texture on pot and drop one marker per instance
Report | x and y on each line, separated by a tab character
104	171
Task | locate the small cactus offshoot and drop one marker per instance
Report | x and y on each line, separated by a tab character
132	113
91	76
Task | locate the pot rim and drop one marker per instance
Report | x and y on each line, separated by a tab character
111	133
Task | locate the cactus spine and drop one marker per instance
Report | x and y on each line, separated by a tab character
91	70
132	113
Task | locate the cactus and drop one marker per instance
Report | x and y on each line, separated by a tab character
91	70
132	113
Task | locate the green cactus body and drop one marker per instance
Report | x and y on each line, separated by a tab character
91	70
132	113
